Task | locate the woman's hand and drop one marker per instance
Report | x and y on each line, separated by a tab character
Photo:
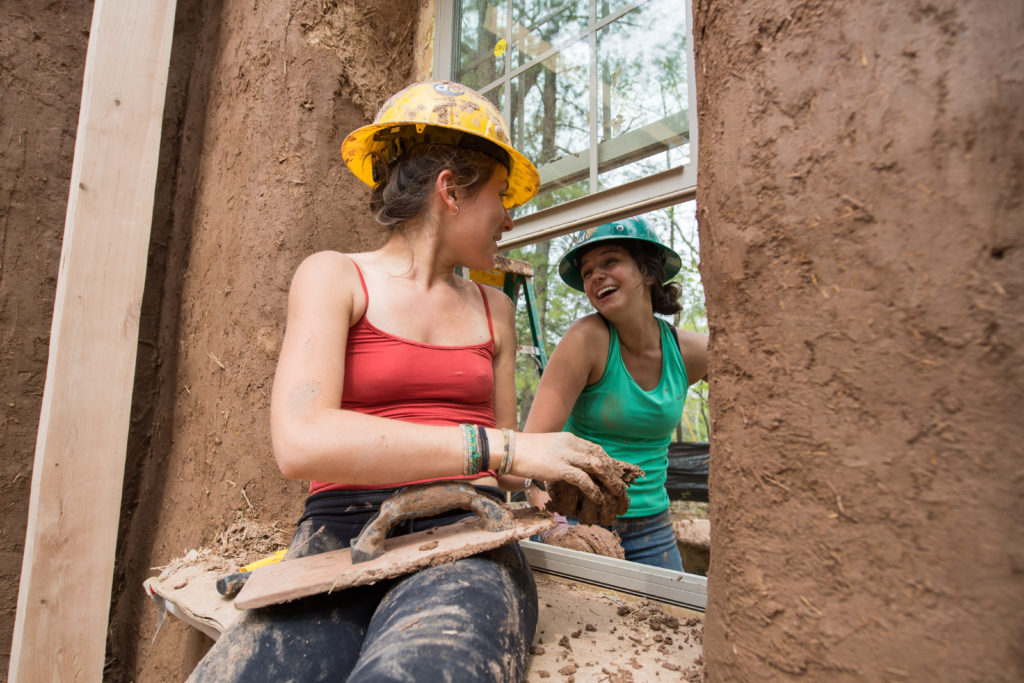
583	481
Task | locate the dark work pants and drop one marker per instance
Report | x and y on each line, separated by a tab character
468	620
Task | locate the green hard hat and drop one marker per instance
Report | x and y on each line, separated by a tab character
627	229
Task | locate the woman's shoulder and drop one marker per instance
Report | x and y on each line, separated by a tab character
330	277
328	267
693	347
327	260
496	298
690	341
589	325
589	332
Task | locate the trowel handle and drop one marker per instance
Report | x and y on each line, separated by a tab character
426	501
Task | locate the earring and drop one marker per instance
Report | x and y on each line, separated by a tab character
455	212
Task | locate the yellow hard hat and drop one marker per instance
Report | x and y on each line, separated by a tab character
439	112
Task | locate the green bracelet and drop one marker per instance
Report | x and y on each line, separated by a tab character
473	454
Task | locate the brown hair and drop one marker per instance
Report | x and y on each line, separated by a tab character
404	185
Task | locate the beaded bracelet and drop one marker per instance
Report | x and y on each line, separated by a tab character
503	464
471	439
509	457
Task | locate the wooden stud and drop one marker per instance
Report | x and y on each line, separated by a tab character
60	628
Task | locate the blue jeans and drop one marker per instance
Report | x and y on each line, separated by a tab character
468	620
649	540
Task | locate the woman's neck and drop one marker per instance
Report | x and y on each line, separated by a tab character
638	329
416	252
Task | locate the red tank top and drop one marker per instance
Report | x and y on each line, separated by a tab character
401	379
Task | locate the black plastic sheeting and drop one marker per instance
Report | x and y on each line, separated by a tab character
688	470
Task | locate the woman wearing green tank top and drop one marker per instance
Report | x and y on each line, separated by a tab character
619	376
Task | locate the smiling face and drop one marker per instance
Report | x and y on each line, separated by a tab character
611	278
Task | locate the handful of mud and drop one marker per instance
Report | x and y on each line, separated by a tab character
587	538
568	500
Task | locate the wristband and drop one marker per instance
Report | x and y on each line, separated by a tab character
472	446
485	450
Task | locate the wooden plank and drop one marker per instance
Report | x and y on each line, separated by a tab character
64	596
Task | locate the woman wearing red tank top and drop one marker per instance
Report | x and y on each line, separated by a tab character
386	356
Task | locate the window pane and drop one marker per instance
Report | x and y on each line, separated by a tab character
643	94
483	42
550	113
607	7
676	227
571	84
539	26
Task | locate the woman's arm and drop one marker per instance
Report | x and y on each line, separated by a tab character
572	366
503	316
313	438
694	348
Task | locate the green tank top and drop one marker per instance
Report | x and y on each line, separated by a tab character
634	425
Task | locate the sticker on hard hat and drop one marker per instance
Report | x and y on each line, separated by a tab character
448	90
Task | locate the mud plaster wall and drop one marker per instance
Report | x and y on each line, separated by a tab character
260	96
272	89
863	257
42	56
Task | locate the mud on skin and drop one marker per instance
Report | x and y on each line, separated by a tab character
567	500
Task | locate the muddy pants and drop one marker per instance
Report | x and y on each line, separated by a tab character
468	620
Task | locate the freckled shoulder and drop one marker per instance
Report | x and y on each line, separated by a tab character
498	301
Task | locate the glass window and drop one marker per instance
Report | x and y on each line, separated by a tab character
596	93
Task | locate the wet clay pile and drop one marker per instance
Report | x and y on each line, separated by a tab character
587	538
612	500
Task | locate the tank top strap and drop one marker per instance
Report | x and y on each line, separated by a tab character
613	343
362	281
671	352
487	309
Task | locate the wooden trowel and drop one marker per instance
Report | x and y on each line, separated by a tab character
373	557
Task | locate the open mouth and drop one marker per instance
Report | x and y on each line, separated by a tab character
605	292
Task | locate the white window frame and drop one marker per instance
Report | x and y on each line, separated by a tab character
656	191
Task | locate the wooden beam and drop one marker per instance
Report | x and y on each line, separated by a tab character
60	629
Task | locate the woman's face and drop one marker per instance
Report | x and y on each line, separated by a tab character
612	278
485	217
